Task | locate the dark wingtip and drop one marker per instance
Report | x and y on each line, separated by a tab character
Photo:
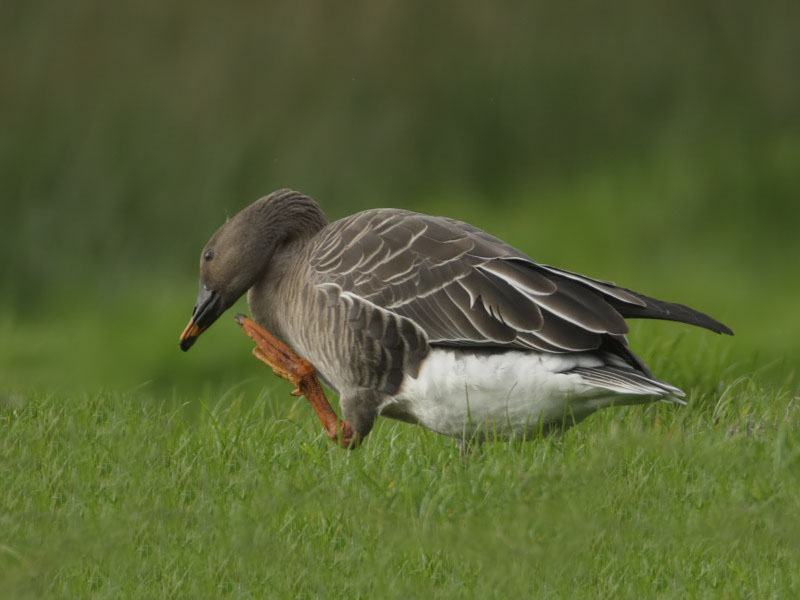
726	330
708	323
667	311
187	343
703	320
240	317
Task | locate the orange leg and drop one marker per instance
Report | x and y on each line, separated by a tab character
301	373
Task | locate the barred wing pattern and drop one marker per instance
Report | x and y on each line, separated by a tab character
465	287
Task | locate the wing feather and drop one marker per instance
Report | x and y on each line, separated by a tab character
503	301
493	330
463	286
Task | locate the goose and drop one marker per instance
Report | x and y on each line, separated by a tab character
426	320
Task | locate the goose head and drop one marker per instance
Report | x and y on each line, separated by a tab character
240	251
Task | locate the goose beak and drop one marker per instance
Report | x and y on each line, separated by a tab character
205	312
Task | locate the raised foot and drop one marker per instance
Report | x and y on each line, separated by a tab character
289	365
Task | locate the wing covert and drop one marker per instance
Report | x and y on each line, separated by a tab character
463	286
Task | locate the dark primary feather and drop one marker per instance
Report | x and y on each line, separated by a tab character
633	305
669	311
465	287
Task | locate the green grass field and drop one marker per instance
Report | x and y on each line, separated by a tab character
123	495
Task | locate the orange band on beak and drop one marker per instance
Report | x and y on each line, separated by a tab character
190	333
191	330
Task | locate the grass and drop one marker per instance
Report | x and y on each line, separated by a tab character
123	495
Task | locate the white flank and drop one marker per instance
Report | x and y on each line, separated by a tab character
460	393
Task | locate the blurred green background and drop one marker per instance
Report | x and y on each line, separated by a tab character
654	144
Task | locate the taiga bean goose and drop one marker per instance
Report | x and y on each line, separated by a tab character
426	319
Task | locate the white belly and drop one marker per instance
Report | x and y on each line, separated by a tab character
459	393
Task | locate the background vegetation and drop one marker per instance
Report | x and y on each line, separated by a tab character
654	144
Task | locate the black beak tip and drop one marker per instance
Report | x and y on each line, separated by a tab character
187	343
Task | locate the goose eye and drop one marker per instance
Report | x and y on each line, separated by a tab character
208	255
